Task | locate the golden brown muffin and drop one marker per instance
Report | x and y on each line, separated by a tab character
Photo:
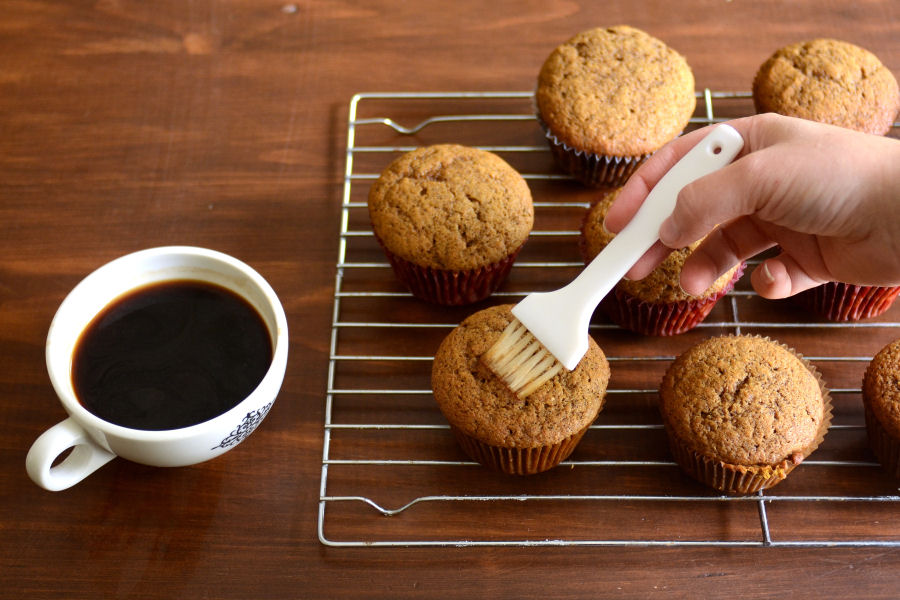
451	219
656	304
881	398
742	411
492	425
829	81
608	98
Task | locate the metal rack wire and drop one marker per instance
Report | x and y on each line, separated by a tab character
391	474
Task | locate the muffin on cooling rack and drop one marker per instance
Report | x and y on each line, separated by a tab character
494	426
608	98
451	220
881	399
742	411
656	304
829	81
836	82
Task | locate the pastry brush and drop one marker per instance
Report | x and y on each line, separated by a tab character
550	329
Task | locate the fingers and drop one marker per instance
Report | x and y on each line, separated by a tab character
730	193
777	277
738	196
772	178
646	177
722	249
774	278
780	277
759	132
639	185
649	261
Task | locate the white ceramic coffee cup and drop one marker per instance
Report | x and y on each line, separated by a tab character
94	441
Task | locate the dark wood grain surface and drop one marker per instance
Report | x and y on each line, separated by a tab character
126	125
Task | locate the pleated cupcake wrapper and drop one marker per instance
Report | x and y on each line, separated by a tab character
846	302
747	479
449	287
732	479
662	318
594	170
883	444
517	461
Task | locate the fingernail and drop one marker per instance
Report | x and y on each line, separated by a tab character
605	228
687	293
767	276
668	233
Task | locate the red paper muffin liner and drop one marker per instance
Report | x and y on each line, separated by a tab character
885	446
747	479
845	302
593	170
663	318
448	287
517	461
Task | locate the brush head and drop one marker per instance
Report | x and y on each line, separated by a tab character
520	360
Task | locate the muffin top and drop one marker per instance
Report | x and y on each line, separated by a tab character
475	401
829	81
744	400
881	387
615	91
451	207
662	285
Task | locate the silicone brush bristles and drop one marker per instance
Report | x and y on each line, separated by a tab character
520	360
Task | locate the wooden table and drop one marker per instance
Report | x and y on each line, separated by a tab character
126	125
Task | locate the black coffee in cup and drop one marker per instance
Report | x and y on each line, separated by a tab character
170	355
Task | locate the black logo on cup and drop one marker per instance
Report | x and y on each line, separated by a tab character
246	427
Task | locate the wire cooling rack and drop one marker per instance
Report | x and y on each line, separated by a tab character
392	474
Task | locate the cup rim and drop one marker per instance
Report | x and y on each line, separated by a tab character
271	380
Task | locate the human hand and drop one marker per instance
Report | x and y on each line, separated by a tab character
828	197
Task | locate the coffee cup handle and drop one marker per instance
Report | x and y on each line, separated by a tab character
85	458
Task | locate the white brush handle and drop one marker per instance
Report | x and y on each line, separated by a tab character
560	319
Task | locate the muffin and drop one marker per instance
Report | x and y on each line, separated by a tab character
829	81
492	425
833	82
656	304
610	97
881	399
742	411
451	220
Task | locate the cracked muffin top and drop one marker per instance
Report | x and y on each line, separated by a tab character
451	207
829	81
615	91
744	400
478	403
